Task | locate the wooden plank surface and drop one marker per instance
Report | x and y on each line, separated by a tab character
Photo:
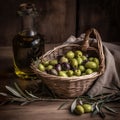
44	111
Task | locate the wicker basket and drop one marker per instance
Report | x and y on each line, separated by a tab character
69	87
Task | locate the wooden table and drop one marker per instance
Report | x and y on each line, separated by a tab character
42	110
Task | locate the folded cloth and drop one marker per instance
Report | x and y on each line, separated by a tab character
111	75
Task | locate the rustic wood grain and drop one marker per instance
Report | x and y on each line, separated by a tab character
100	14
56	20
44	111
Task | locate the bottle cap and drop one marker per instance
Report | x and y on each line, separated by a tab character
27	9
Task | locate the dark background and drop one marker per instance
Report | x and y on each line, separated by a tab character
58	19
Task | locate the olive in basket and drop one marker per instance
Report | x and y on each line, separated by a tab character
73	63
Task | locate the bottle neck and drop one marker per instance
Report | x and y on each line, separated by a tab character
27	26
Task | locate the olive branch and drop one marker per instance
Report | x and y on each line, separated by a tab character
23	97
99	103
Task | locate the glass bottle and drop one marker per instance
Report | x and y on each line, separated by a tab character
27	44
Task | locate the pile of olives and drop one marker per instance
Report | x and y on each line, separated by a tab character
81	109
73	63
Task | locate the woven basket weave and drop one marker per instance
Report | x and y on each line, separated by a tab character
69	87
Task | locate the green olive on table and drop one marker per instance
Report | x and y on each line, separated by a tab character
87	107
79	110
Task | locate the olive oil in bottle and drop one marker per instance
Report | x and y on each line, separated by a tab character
28	44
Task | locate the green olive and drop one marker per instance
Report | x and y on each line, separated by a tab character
96	60
77	72
82	68
49	67
83	74
45	63
84	58
91	65
88	71
74	63
90	58
70	73
64	60
87	108
70	54
79	110
41	67
80	60
96	69
62	74
53	62
78	53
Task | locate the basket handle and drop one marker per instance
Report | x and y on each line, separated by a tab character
86	44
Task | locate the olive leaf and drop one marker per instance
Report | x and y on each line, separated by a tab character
102	114
20	91
95	112
24	103
30	94
109	109
13	91
61	106
118	87
117	99
3	94
100	95
73	105
80	101
97	108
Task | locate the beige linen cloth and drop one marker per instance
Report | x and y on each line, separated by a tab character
112	69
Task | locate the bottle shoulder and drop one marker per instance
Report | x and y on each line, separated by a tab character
28	40
28	32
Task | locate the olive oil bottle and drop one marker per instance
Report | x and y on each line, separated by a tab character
28	44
